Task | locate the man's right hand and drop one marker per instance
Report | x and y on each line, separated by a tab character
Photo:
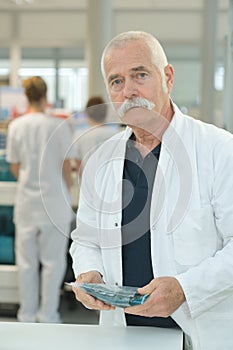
87	300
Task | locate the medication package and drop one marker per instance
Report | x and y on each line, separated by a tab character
113	295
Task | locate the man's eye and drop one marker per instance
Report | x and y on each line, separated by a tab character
141	75
117	82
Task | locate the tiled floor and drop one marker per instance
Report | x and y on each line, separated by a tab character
72	312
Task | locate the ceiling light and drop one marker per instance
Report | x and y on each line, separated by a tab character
23	2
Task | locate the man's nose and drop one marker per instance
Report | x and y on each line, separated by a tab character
130	88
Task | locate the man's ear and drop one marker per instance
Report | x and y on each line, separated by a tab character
169	75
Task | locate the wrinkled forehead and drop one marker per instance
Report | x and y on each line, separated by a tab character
130	55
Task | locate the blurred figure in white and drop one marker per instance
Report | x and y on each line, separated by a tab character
91	139
37	148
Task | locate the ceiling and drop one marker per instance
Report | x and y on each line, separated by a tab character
72	43
176	5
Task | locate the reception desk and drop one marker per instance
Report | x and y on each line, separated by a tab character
35	336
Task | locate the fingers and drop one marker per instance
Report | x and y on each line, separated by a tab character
166	295
149	288
90	277
142	310
87	300
90	302
153	306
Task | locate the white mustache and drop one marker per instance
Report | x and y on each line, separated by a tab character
133	103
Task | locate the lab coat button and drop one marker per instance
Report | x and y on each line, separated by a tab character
116	224
153	227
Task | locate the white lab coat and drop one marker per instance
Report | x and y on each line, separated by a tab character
40	143
191	225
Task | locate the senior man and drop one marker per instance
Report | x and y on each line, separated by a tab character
156	205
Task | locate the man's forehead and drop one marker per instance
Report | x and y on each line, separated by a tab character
117	60
133	48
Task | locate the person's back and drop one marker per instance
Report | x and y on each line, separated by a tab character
41	150
35	137
91	140
97	134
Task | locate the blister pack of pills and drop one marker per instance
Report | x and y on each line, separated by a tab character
119	296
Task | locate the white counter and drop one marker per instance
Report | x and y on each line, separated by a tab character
35	336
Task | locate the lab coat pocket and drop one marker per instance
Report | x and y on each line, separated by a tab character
196	238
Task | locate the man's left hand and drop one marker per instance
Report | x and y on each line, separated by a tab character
166	295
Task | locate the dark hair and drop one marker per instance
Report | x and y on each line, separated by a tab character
96	109
35	89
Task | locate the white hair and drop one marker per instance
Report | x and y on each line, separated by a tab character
158	55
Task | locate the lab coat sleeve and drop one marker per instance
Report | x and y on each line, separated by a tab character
13	146
85	248
211	281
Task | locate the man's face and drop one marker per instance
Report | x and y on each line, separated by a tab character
130	73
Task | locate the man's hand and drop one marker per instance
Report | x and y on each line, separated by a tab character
166	295
87	300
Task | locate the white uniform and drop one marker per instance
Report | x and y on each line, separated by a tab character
42	214
191	223
90	140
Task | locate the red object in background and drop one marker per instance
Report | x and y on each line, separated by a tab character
59	113
15	113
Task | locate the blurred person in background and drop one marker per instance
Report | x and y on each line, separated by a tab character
37	148
91	139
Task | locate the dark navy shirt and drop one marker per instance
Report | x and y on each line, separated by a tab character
138	180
